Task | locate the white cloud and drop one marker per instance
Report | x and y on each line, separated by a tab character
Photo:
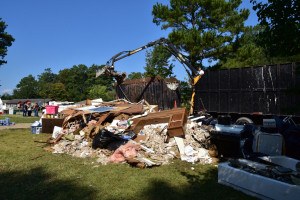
6	90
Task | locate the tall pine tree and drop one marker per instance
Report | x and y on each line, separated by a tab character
203	29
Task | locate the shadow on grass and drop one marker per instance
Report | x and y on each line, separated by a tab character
38	184
200	186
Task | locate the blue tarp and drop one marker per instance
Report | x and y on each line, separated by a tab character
101	109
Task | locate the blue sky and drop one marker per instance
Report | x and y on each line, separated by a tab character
58	34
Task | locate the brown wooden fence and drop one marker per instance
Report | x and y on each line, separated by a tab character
153	90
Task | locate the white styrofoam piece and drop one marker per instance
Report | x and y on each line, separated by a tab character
56	131
256	185
196	118
180	144
85	108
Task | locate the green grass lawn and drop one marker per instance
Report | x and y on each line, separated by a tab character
27	171
18	118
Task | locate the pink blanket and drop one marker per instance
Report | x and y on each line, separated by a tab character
127	150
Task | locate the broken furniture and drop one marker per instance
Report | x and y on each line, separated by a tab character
227	139
176	119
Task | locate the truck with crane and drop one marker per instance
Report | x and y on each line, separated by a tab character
247	95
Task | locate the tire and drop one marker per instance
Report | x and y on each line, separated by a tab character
243	121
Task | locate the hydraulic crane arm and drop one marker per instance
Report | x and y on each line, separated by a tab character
124	54
194	74
109	68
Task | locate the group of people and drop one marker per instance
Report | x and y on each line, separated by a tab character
28	108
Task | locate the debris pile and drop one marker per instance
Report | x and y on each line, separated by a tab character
138	134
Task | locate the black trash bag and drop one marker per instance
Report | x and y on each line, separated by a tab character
104	138
82	124
224	119
292	142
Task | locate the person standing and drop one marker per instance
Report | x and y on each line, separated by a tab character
36	110
29	110
25	107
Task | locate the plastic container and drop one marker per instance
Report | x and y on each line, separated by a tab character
36	129
11	111
52	110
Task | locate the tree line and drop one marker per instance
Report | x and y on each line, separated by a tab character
73	84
